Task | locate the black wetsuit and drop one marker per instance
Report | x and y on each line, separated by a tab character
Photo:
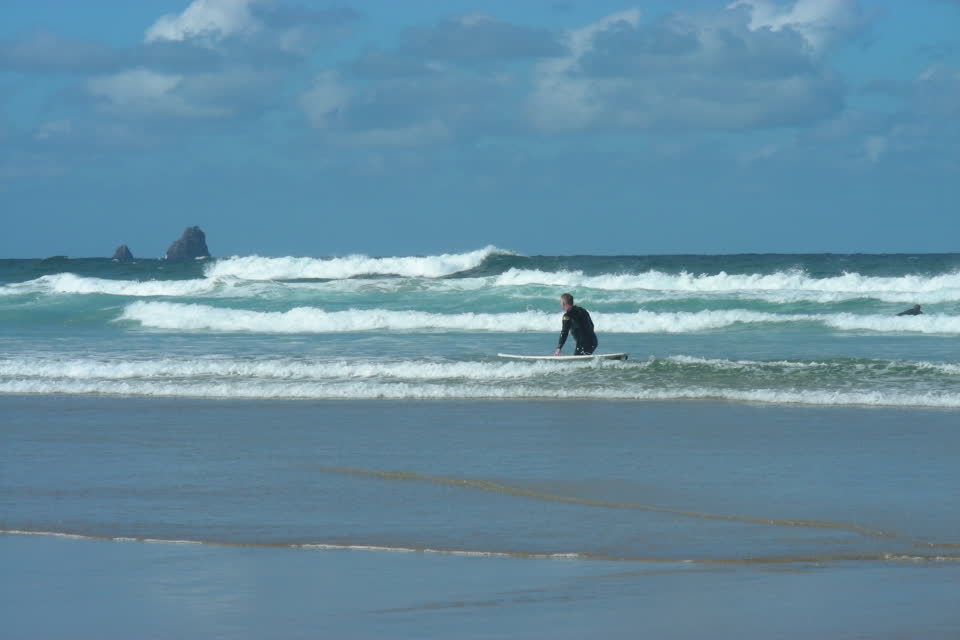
577	320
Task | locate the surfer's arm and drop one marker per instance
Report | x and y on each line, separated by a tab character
564	330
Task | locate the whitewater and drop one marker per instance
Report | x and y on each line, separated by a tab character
773	329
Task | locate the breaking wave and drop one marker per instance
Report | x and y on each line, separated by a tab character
841	382
200	317
290	268
425	369
783	284
362	390
69	283
279	278
279	369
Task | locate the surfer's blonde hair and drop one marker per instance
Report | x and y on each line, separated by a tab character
566	298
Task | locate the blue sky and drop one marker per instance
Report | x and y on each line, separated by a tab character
292	127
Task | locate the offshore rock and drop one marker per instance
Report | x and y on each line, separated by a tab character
122	253
191	245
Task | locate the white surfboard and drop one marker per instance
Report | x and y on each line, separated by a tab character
596	356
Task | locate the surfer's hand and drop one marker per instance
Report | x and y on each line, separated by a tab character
557	352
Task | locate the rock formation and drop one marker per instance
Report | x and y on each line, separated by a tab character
191	245
122	253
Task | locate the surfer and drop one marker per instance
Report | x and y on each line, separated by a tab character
576	319
912	311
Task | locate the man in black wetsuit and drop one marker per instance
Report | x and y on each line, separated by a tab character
577	320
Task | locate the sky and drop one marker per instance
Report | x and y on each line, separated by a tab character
556	127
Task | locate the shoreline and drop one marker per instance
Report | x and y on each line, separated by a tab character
189	591
769	562
484	400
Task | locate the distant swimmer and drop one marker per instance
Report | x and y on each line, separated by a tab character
576	320
912	311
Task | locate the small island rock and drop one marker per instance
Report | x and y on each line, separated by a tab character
123	253
191	245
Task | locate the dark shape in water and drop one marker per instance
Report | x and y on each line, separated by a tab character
912	311
191	245
123	253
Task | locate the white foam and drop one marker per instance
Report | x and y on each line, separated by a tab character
69	283
47	534
795	365
782	286
240	276
719	363
927	323
281	369
293	369
291	268
80	536
190	317
311	546
193	317
362	390
198	317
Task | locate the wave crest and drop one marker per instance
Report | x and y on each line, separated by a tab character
199	317
679	377
291	268
405	390
907	288
69	283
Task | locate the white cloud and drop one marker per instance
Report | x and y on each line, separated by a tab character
133	86
322	103
874	147
710	70
936	91
581	40
262	25
822	23
428	133
562	100
53	130
210	19
348	117
141	92
758	156
43	50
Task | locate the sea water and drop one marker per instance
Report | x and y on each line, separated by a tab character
174	435
817	330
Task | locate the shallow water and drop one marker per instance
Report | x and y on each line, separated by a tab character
700	482
477	519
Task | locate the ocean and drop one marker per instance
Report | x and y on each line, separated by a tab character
330	447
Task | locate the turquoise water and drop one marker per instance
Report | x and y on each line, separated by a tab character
282	447
808	329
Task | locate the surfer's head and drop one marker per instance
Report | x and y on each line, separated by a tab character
566	301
